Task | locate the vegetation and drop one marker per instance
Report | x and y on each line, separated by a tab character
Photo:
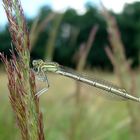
21	80
102	117
128	22
64	36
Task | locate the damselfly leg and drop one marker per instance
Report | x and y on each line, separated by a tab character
42	77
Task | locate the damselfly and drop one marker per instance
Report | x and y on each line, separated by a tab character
41	68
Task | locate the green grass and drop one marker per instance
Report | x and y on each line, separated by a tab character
100	118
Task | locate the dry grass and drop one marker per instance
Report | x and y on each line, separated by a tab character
99	118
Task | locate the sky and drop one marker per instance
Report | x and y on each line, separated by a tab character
31	7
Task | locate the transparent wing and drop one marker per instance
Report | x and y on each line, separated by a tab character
42	83
107	94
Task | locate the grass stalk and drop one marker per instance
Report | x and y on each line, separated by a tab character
123	70
20	78
50	45
82	57
37	28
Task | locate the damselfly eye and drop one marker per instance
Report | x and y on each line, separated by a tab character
34	62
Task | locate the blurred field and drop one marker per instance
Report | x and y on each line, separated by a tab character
98	117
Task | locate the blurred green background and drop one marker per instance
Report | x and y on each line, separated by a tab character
60	37
74	29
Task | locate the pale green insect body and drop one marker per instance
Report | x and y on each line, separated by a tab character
50	67
42	66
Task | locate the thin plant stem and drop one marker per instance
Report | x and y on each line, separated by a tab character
123	70
20	78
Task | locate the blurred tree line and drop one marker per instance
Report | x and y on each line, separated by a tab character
74	30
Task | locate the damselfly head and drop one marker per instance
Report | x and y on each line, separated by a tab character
36	64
